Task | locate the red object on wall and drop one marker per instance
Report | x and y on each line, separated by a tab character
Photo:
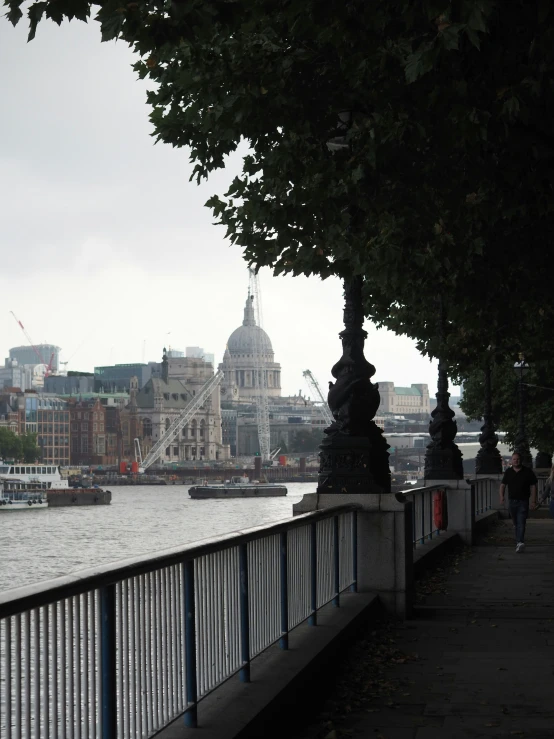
134	468
439	510
282	460
123	468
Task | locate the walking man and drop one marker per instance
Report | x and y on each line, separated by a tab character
522	485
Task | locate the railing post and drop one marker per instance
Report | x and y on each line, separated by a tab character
312	620
354	586
244	614
422	539
284	640
412	498
431	496
191	714
336	562
108	692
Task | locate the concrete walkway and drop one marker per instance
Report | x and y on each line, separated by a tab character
477	659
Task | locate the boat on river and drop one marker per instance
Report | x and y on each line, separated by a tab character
43	485
237	487
18	495
48	475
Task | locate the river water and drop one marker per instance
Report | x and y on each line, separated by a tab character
39	545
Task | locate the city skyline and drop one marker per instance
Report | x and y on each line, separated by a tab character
109	252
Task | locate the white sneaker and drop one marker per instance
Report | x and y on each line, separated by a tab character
520	547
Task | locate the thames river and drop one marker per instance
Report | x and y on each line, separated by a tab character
39	545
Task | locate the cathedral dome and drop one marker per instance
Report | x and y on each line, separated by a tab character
243	340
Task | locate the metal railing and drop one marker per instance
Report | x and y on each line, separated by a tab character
424	525
485	490
123	650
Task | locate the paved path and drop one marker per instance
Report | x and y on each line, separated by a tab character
477	659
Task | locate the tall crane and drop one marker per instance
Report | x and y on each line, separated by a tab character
316	390
262	404
180	422
40	358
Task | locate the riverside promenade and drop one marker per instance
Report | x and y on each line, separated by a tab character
476	659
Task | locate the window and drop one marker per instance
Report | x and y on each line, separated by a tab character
84	444
84	426
95	427
17	472
167	451
175	451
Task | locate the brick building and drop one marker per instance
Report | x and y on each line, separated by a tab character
88	433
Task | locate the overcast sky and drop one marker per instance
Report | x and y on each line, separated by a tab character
107	250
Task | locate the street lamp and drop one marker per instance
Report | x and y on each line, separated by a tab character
443	458
488	460
521	443
353	457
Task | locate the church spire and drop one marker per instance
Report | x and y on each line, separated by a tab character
249	319
165	366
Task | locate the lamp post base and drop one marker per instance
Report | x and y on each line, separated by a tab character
345	467
443	463
488	462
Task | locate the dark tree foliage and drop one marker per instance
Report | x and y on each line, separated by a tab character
445	189
306	441
14	447
539	402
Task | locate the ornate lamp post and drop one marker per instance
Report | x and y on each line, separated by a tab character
353	457
521	444
443	459
488	460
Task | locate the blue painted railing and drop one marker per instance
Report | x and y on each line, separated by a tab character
424	527
123	650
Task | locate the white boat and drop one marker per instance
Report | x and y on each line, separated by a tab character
237	487
48	474
17	495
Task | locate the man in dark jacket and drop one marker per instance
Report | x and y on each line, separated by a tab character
522	486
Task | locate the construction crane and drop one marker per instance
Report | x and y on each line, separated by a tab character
262	404
180	422
33	347
316	390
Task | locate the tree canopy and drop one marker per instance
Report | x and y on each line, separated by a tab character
539	412
16	447
445	187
